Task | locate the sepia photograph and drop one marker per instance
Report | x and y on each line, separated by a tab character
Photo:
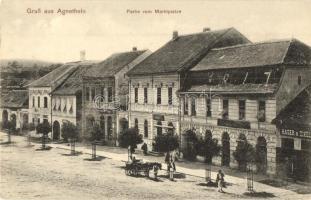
138	99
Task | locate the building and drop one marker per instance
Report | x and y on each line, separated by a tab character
14	107
105	93
238	92
154	106
55	96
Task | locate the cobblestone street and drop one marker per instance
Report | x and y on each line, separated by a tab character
30	174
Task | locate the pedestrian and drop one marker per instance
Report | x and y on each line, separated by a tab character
172	161
155	171
220	180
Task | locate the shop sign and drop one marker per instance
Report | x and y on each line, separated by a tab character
296	133
158	117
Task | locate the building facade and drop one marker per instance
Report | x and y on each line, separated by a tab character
237	92
154	106
105	94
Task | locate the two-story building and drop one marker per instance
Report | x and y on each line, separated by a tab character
238	92
105	93
55	96
154	107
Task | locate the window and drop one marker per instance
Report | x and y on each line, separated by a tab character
110	94
93	93
45	102
185	106
38	102
225	108
146	129
102	94
145	95
261	111
159	128
299	80
87	93
136	124
33	101
208	107
241	109
158	95
170	96
193	110
136	95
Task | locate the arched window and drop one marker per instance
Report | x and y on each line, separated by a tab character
159	128
146	129
170	129
136	123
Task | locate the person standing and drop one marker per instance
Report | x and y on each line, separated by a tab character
220	180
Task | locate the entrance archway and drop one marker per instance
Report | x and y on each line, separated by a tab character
25	121
123	124
4	118
261	155
56	130
225	158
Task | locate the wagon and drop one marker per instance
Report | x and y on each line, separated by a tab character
140	168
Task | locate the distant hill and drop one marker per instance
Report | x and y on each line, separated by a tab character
17	73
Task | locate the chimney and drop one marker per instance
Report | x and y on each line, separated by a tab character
206	29
134	48
82	55
175	34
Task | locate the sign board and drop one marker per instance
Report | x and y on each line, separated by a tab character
158	117
296	133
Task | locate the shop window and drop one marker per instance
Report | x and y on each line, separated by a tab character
306	145
261	111
146	129
159	96
145	95
225	109
136	95
287	143
170	96
208	107
186	106
45	102
241	109
193	108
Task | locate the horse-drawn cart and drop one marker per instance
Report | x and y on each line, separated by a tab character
140	168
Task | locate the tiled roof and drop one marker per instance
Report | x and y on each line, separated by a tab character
113	64
73	83
56	77
15	99
234	89
185	51
254	55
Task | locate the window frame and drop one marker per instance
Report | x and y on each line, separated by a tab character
145	95
159	95
264	119
136	95
170	96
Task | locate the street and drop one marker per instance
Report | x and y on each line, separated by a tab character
30	174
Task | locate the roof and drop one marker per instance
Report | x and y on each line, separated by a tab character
15	99
255	54
113	64
297	114
73	83
234	89
185	50
59	75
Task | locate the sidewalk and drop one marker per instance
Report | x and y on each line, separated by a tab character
188	168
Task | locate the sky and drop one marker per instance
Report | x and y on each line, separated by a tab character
106	27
